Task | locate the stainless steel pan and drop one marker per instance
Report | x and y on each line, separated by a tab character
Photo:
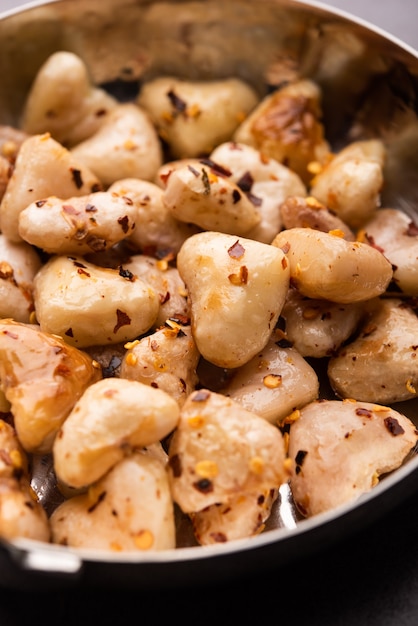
370	86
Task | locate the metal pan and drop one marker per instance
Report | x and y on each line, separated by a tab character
370	86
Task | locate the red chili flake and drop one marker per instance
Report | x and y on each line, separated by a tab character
90	208
201	396
124	223
69	332
236	196
10	334
154	345
245	182
83	272
5	457
236	251
70	209
155	385
286	248
371	242
255	200
77	178
412	230
62	370
174	462
393	426
178	103
193	170
216	167
164	177
76	263
123	320
125	273
180	319
260	500
364	412
204	485
219	537
164	297
40	203
98	501
128	200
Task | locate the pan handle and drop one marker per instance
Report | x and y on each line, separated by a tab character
44	559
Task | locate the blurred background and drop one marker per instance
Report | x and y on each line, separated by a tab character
397	17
